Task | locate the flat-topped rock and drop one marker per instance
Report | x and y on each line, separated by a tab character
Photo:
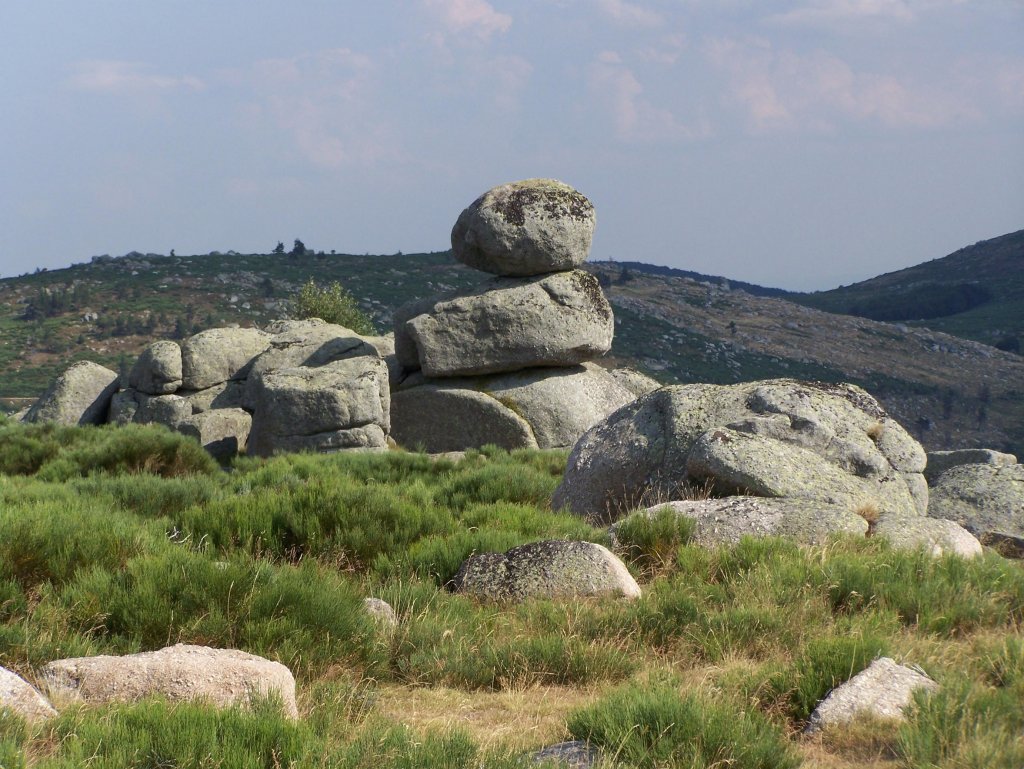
79	396
940	461
550	569
507	324
525	228
221	677
987	500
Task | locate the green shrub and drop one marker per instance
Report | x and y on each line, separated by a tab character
333	304
656	726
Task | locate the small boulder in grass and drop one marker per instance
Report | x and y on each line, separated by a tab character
221	677
381	612
19	696
884	689
549	569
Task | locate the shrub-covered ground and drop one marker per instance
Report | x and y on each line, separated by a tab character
120	540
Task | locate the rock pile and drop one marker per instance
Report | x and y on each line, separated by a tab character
508	363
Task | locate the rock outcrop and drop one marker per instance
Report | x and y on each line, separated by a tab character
940	461
79	396
221	677
549	569
216	355
831	443
19	696
987	500
936	536
884	689
157	371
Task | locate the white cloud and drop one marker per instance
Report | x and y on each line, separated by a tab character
784	89
635	118
476	18
117	76
840	13
630	14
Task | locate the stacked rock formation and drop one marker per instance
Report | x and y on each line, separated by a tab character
509	363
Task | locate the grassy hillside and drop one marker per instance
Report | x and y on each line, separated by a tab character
949	392
976	292
718	664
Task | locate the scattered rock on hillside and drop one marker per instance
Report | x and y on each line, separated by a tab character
340	405
79	396
19	696
940	461
938	537
727	520
157	371
883	689
987	500
525	228
539	407
382	612
219	354
576	754
548	569
222	677
222	432
644	449
507	324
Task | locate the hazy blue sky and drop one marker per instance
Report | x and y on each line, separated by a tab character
800	144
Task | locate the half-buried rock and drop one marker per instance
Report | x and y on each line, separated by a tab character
221	677
79	396
525	228
535	408
987	500
19	696
341	405
506	324
549	569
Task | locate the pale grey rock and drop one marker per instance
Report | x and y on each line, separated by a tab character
917	485
167	410
123	407
986	499
534	408
381	612
575	754
507	324
221	677
222	432
20	697
725	521
339	405
884	689
549	569
940	461
525	228
438	418
226	395
219	354
938	537
79	396
641	453
635	381
157	371
311	344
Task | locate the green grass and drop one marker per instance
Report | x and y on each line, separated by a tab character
116	542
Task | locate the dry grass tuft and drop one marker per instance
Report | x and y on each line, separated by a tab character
875	430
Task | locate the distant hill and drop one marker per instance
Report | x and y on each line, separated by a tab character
676	325
976	292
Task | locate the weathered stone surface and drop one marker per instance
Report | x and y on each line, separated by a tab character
19	696
226	395
507	324
122	407
940	461
546	570
222	677
79	396
525	228
157	371
382	612
635	381
937	536
219	354
311	344
641	453
168	410
883	689
545	408
222	432
727	520
987	500
439	418
343	404
575	754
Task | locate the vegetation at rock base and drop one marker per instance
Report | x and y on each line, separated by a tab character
719	663
333	304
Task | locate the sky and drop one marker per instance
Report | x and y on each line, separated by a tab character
802	144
